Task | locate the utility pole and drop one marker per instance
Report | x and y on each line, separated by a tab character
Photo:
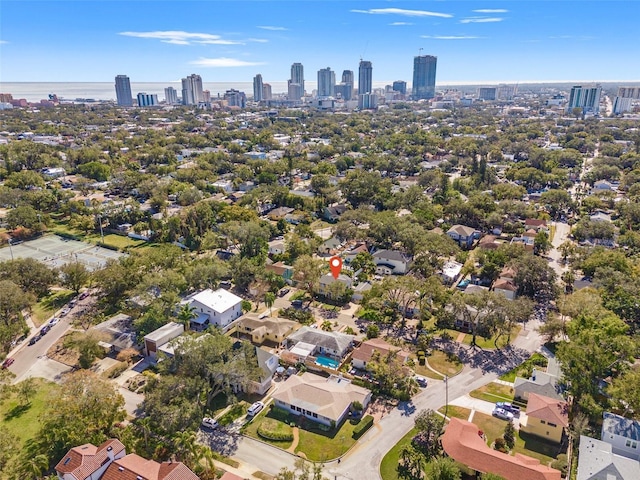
101	232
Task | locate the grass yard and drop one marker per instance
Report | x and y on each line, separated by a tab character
537	448
48	305
493	392
120	242
490	343
425	371
389	465
251	429
234	412
537	360
319	446
456	412
446	364
22	421
491	426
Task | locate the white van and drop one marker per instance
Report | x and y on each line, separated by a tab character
254	409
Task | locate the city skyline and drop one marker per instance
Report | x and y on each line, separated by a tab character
475	41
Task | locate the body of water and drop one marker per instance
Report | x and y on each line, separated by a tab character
36	91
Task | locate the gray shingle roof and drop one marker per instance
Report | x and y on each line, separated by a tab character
329	340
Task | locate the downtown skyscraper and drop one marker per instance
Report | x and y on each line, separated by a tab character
192	93
424	77
326	82
365	77
123	91
585	98
295	84
258	88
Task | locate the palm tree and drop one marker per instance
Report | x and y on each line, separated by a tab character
186	314
186	446
33	467
269	300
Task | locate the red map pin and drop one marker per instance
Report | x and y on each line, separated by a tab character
336	266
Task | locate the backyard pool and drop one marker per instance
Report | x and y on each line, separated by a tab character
327	362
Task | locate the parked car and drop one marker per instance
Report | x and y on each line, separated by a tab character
502	413
44	330
83	295
210	423
421	381
7	362
65	311
509	407
73	302
296	303
254	409
283	292
34	339
53	321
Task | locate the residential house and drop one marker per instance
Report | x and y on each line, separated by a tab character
323	400
489	242
268	363
281	269
266	329
623	434
155	340
279	213
525	241
600	216
362	355
219	308
118	332
463	235
334	212
464	442
276	247
350	254
450	272
505	287
392	262
231	476
604	185
224	185
597	461
324	286
330	246
546	418
109	461
540	383
333	344
536	225
359	290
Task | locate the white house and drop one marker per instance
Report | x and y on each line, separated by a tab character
597	462
224	185
159	337
218	308
334	344
450	271
328	279
322	400
623	434
276	247
391	262
505	287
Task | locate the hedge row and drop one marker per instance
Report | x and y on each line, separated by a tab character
363	426
280	435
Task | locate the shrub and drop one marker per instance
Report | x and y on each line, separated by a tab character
561	464
500	445
274	430
364	425
115	370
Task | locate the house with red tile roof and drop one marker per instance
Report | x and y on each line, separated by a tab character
546	417
109	461
463	442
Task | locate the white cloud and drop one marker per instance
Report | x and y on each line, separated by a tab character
3	42
272	28
398	24
481	20
450	37
223	62
491	10
178	37
402	11
257	40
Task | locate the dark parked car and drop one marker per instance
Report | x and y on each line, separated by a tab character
34	339
45	330
283	292
296	303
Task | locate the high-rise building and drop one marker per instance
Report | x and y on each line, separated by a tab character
586	98
258	86
345	88
171	96
295	85
206	96
123	91
266	91
192	93
487	93
400	86
235	98
424	77
326	82
621	104
147	99
365	77
506	92
629	92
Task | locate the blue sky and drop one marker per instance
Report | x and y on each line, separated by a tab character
475	41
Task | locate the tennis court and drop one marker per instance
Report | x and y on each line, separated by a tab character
56	251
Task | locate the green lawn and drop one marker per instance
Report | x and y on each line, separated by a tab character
446	364
48	305
234	412
316	444
490	343
120	242
456	412
425	371
524	370
491	426
493	392
22	421
389	465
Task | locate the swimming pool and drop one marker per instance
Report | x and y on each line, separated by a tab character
327	362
